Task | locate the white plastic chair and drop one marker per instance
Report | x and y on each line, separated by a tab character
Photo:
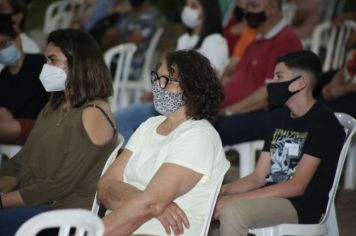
332	39
330	9
149	60
109	161
58	15
350	169
136	87
212	201
125	51
9	150
84	222
247	152
328	223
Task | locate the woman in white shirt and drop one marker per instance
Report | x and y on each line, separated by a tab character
204	34
203	21
162	180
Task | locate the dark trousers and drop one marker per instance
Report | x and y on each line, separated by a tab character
12	218
241	128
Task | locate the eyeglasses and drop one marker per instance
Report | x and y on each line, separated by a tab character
5	43
163	80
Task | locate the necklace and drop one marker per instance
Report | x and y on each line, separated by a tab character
62	115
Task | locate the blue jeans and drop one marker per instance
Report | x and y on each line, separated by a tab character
12	218
130	118
242	128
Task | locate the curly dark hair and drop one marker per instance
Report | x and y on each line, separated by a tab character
202	91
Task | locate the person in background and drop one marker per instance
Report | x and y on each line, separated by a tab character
61	162
205	34
246	35
164	177
136	26
245	107
338	88
16	11
203	21
296	168
22	95
306	17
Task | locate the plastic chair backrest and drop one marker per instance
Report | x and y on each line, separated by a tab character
329	42
58	15
84	222
349	124
109	161
212	201
330	9
125	53
149	59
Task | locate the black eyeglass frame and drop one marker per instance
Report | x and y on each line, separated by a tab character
163	80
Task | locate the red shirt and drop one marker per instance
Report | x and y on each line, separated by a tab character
230	37
257	64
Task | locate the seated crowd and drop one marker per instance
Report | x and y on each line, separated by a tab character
221	85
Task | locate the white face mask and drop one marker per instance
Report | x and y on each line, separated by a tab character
53	78
190	17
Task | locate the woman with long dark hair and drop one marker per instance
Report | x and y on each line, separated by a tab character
204	31
61	161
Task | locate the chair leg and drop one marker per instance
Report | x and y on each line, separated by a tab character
350	172
331	223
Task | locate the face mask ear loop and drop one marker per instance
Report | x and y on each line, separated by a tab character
295	79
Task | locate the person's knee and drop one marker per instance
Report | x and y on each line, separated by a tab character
235	214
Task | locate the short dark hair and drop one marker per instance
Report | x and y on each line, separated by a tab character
303	60
202	91
212	20
7	29
88	76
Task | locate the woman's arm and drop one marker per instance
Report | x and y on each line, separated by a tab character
169	182
112	191
7	183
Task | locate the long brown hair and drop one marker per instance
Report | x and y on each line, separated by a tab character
88	77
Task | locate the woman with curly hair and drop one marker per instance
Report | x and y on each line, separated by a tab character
162	180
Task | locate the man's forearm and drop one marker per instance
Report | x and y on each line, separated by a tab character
257	100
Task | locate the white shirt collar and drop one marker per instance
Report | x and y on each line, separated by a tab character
275	30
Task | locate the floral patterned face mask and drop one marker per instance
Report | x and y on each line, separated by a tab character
166	102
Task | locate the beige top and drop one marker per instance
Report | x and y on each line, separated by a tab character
59	166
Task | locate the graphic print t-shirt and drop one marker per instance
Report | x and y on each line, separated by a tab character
318	134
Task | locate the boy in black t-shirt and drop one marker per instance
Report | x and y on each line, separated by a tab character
296	168
22	95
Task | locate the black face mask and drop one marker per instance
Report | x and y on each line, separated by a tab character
239	13
136	3
255	19
6	17
278	93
